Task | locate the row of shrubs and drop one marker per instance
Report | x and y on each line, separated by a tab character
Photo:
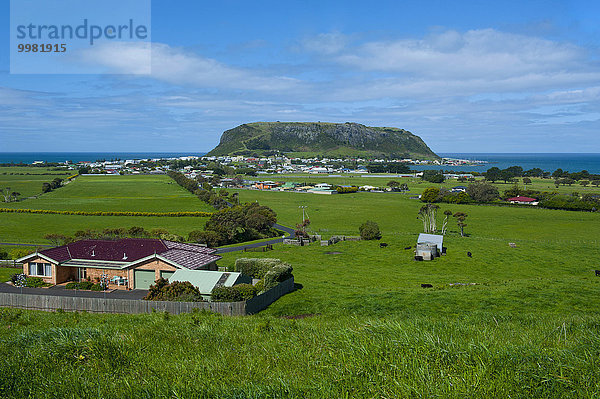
84	285
346	190
270	271
109	213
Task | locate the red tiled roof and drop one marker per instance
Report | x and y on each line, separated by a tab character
132	249
522	199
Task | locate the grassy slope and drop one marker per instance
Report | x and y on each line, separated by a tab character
528	329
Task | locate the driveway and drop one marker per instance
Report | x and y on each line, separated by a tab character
241	247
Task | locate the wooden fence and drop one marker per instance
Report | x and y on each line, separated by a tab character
100	305
10	263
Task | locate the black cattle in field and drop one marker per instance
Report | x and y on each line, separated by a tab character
408	248
469	254
426	286
383	245
597	273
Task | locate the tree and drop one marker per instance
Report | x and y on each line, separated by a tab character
596	183
84	170
404	186
393	184
526	180
492	174
433	176
482	192
584	183
369	231
46	187
427	215
460	221
430	194
447	214
58	239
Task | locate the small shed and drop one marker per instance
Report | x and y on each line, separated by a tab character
430	246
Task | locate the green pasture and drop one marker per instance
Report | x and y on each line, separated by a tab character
31	228
528	327
28	180
142	193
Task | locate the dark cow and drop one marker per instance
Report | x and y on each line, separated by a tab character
470	255
408	248
383	245
419	258
426	286
597	273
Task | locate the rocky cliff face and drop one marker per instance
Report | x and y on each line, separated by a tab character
318	138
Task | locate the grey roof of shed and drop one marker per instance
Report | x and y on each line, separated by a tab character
436	239
205	280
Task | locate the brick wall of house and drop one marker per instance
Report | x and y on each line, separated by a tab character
51	279
95	275
64	273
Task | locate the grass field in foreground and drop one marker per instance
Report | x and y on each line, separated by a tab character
200	355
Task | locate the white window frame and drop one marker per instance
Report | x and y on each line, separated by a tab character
34	269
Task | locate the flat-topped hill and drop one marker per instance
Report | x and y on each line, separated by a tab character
322	139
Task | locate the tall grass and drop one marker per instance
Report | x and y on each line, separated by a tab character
203	355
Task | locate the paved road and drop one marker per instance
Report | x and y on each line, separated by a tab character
61	291
26	245
241	247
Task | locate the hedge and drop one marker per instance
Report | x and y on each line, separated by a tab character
277	275
105	213
255	267
237	293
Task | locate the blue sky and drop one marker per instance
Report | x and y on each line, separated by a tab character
466	76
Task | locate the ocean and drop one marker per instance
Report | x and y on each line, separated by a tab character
546	162
30	157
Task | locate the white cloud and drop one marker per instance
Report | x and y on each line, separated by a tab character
176	66
486	53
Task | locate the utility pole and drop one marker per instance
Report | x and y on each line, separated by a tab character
303	212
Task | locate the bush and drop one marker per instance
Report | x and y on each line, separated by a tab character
255	267
86	285
180	291
72	286
97	287
260	286
430	194
277	274
237	293
35	282
369	231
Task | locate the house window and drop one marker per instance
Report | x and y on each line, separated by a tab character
40	269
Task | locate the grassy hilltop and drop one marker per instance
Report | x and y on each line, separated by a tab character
322	139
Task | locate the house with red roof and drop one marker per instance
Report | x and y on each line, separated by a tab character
523	200
133	263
